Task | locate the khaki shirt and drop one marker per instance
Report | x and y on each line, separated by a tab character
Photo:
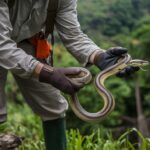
27	17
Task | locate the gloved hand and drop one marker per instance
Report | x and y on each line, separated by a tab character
58	78
106	59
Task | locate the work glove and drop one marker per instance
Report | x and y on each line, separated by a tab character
106	59
58	77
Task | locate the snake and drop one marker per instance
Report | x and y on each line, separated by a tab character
99	82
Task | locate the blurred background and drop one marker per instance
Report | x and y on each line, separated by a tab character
110	23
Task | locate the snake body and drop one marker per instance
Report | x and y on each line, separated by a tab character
109	102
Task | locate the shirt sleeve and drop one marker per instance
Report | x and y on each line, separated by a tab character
11	57
68	27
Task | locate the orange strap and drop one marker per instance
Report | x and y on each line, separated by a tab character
42	47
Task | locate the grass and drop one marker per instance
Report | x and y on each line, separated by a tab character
22	122
97	141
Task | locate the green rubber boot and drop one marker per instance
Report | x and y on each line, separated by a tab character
55	134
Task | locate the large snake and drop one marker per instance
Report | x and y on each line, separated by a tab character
108	99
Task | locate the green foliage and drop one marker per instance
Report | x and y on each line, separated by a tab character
99	140
142	34
110	17
24	123
140	44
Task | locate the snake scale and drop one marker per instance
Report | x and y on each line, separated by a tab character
109	102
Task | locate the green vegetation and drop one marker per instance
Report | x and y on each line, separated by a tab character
23	122
97	141
109	23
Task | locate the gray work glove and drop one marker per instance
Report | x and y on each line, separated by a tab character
58	78
106	59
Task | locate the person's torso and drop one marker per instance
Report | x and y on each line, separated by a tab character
27	18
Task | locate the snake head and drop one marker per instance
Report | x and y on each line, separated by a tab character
138	63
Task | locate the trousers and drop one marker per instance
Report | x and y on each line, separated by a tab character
45	100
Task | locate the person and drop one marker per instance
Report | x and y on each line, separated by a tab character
39	82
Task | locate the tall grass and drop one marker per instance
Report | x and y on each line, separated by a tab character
97	141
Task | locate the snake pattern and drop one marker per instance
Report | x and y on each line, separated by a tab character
109	102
